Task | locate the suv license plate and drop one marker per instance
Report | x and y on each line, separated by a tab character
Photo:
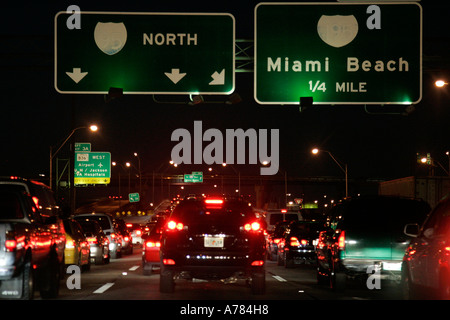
213	242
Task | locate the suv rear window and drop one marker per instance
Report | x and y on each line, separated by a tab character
194	211
104	222
10	203
375	213
277	217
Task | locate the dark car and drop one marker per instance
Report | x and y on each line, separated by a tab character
274	237
30	251
298	244
152	246
98	241
366	235
213	238
125	234
426	264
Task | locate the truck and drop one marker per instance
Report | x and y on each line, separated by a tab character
430	189
31	242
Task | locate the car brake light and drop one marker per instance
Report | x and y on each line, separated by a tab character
153	244
169	262
36	201
254	226
129	225
214	201
341	240
258	263
92	240
138	232
277	241
10	245
283	210
172	225
70	244
295	242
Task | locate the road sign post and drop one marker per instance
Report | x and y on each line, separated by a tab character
338	53
145	53
92	168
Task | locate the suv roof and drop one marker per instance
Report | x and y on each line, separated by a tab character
42	195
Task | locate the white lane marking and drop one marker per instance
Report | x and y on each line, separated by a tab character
133	268
280	278
104	288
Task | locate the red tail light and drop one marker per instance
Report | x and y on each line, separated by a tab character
341	240
254	226
70	244
153	244
92	240
258	263
36	201
10	245
173	226
294	242
170	262
138	232
213	203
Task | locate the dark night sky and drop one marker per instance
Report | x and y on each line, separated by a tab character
34	116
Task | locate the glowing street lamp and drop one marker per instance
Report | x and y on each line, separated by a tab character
440	83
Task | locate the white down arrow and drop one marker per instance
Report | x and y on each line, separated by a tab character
76	74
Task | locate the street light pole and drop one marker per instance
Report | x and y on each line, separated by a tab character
53	154
140	175
343	168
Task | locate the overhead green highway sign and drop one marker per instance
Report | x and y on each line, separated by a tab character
92	168
194	177
338	53
145	53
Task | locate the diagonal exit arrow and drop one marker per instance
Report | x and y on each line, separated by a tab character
218	78
175	75
76	74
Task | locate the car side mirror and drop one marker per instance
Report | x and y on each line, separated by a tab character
411	230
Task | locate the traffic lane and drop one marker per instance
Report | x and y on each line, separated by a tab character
94	281
123	279
304	278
